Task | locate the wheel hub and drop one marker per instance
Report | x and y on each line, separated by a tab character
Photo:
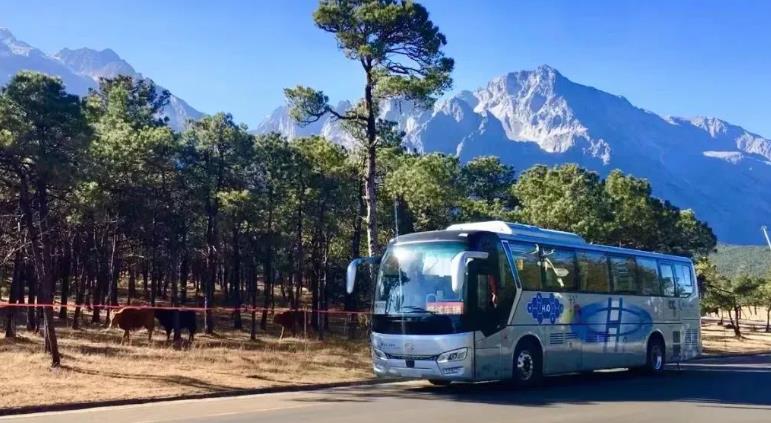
525	365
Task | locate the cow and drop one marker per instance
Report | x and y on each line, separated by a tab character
132	318
187	320
290	319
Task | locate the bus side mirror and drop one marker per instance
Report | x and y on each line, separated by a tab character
458	267
353	267
350	274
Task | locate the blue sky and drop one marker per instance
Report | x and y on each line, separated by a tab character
681	58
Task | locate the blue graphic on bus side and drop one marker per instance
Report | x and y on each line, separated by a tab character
611	321
549	308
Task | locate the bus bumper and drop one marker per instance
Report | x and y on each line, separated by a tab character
424	356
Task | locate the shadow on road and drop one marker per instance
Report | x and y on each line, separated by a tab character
734	382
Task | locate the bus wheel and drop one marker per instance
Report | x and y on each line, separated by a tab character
528	365
656	357
439	382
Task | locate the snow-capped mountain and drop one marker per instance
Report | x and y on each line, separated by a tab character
80	71
720	170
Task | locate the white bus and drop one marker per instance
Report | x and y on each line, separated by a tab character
496	300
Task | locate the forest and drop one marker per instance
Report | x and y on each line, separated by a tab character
104	204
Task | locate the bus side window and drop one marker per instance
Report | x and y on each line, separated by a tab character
525	261
622	269
667	279
593	272
648	276
684	281
555	261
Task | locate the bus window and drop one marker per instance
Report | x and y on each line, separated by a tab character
559	269
525	260
667	279
648	276
622	271
684	281
593	272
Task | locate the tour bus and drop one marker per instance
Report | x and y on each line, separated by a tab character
496	300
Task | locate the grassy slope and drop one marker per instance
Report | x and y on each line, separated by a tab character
736	260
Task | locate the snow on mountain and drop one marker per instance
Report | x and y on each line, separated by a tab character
106	63
718	169
17	55
80	71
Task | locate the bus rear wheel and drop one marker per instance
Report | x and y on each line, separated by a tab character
528	364
656	360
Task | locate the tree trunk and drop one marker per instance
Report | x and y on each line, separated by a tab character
113	270
211	273
65	269
80	296
370	176
13	296
132	283
267	266
768	319
40	245
31	279
235	279
253	296
735	323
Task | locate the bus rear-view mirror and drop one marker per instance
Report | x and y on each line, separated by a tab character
353	268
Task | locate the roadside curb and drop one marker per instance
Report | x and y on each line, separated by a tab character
221	394
707	356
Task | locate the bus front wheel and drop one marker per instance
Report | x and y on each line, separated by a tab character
528	364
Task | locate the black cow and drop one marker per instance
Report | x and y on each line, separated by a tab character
187	320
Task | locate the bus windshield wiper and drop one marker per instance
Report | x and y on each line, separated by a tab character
415	308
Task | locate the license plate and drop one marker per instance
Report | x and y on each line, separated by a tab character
411	372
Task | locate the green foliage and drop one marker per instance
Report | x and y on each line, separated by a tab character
431	189
736	260
45	132
566	197
489	180
396	43
619	210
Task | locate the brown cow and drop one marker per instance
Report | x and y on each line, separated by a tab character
290	319
132	318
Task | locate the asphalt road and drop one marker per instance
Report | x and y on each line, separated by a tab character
713	390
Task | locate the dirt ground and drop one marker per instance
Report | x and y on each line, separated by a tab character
96	367
716	339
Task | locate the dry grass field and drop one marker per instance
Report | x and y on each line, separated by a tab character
716	339
96	367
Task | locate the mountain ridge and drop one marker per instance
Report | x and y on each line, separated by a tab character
80	70
541	116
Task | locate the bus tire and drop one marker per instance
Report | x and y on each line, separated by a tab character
439	382
656	356
527	369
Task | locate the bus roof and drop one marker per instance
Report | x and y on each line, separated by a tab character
528	233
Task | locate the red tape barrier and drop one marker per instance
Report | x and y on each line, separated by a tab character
243	309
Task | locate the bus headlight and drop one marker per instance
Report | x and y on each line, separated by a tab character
454	355
379	354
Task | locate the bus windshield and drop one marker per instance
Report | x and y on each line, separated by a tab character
415	279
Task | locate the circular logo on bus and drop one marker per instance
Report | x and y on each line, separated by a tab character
545	308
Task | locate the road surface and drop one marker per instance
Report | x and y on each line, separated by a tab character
713	390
